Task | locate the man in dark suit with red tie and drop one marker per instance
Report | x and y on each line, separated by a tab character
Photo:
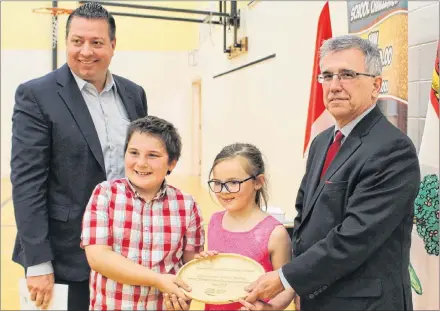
352	233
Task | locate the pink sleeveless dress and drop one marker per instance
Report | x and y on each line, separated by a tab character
253	244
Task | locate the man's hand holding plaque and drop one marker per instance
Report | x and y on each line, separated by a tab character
267	286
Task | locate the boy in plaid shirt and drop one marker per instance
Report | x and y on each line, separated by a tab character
138	231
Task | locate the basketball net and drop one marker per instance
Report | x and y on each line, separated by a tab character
54	31
206	29
55	12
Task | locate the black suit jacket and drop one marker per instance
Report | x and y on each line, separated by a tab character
56	162
352	234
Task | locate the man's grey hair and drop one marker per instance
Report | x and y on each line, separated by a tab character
373	64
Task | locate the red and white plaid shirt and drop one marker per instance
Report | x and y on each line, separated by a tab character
154	234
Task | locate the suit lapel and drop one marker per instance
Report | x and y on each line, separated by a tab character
316	167
347	149
74	101
321	152
127	98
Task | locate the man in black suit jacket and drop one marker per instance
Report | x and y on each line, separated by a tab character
68	135
352	233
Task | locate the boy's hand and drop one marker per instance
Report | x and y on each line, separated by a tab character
205	254
174	303
169	283
257	305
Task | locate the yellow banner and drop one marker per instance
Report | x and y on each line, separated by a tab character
385	23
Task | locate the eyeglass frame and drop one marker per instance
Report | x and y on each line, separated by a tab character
321	75
223	184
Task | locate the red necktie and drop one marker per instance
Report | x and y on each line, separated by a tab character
332	151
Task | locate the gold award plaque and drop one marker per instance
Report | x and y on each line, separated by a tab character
221	278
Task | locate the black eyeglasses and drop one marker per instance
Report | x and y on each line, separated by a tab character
344	75
232	186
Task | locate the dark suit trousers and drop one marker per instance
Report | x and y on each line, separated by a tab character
78	295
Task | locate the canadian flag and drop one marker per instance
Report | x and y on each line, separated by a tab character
424	264
318	118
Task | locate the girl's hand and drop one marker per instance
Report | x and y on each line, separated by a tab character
297	302
257	305
205	254
174	303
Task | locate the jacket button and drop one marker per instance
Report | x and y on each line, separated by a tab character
311	296
324	287
316	293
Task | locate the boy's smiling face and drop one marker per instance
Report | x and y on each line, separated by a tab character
147	163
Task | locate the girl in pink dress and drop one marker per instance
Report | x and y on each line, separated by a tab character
243	228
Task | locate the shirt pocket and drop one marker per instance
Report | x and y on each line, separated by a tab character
121	127
335	185
173	239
